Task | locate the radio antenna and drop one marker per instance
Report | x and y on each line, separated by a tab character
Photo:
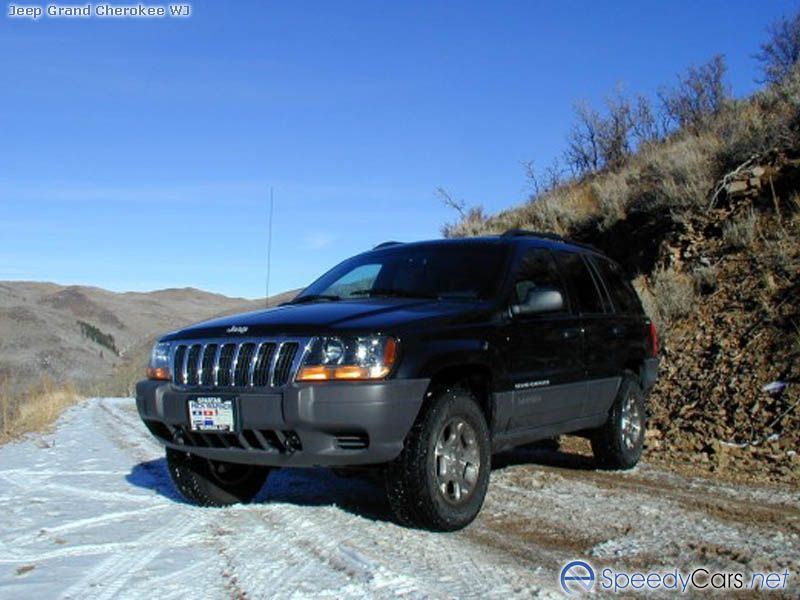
269	242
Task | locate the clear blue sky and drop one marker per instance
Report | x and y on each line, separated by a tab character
138	154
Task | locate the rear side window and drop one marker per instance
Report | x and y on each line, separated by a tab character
580	281
622	293
536	269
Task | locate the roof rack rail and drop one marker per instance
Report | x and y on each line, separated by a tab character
387	244
546	235
511	233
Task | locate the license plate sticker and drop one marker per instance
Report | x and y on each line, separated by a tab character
211	413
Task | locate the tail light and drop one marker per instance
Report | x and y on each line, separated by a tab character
652	335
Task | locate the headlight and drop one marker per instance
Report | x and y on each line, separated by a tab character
159	362
348	358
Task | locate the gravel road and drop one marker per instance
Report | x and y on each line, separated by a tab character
88	511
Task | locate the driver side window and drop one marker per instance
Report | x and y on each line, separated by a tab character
536	269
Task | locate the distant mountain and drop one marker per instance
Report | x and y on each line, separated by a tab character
82	334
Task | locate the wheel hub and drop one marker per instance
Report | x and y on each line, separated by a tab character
631	422
457	461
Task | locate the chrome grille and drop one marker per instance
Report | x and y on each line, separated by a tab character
241	370
245	363
262	363
206	374
283	364
192	357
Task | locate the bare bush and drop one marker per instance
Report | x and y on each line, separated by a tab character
614	132
646	126
473	223
545	181
700	95
471	220
447	199
598	141
583	141
780	53
741	232
674	295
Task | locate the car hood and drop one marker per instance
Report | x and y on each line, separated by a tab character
318	318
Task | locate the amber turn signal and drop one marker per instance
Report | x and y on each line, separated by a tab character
351	373
161	373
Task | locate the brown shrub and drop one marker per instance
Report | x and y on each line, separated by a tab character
472	223
678	174
673	295
613	197
741	232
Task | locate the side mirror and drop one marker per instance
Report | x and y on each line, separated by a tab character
539	300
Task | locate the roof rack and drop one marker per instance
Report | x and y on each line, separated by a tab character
512	233
387	244
546	235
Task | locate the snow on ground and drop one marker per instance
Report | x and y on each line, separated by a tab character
89	512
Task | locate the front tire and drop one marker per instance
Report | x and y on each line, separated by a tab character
440	479
208	482
619	443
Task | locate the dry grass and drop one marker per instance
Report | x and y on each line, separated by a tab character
674	295
33	409
677	174
740	232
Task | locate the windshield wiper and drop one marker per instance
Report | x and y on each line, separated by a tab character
314	298
392	293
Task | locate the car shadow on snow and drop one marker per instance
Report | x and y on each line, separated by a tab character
545	453
360	493
153	475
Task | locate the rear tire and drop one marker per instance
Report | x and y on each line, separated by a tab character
618	444
440	479
208	482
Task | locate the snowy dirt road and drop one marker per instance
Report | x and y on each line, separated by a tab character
88	511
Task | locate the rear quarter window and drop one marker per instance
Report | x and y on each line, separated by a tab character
624	297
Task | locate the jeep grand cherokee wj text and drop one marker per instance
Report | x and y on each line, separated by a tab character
423	359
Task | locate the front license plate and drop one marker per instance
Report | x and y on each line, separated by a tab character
211	413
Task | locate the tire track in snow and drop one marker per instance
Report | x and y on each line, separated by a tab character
87	523
379	559
305	540
111	574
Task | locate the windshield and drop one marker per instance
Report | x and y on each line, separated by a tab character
461	271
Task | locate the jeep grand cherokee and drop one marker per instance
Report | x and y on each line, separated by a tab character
423	359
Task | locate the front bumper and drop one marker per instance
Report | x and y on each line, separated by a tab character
330	424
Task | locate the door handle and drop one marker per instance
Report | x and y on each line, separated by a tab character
573	332
618	331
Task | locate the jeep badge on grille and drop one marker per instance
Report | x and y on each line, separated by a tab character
235	329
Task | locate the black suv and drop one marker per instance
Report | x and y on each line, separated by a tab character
424	359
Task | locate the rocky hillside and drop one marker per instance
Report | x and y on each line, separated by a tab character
705	218
82	334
